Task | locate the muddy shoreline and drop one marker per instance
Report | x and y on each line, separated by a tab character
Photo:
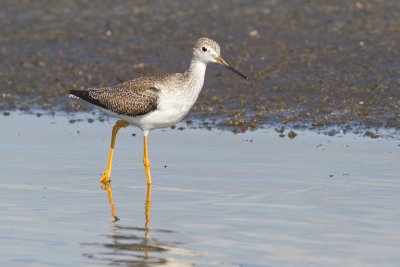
311	64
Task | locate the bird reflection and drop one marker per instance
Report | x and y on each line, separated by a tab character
126	246
147	245
107	186
147	205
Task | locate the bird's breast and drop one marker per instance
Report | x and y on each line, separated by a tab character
175	105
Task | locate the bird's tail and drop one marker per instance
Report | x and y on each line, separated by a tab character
78	94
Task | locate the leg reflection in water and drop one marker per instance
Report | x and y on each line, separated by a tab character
107	186
127	245
123	243
147	205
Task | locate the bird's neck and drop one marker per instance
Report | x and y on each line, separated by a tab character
195	76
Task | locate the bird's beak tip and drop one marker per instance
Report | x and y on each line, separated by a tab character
222	62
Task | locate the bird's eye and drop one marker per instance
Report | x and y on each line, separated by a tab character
204	49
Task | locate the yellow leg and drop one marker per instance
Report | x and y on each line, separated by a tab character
107	173
147	206
107	187
146	161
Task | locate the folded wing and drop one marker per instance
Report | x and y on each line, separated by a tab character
132	98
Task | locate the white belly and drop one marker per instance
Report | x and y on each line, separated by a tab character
167	114
173	103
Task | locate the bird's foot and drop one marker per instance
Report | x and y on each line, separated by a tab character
105	177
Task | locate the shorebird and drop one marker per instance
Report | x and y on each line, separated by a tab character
155	101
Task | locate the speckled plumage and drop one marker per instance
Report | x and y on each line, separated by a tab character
131	98
157	101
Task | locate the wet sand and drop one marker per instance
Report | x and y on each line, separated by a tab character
311	63
218	199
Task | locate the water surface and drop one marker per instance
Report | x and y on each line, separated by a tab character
218	199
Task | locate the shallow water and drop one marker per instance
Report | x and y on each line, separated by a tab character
218	199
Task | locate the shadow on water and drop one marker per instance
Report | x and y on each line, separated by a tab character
133	246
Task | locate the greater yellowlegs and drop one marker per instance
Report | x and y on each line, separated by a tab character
156	101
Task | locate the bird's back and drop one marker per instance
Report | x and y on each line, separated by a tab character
131	98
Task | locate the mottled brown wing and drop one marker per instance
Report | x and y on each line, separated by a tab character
123	100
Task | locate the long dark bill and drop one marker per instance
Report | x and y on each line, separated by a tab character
222	61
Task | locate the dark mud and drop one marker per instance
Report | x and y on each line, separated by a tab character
310	63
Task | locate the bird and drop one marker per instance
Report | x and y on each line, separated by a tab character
153	102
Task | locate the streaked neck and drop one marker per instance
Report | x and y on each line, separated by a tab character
195	75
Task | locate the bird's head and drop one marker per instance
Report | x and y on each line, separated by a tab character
208	51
